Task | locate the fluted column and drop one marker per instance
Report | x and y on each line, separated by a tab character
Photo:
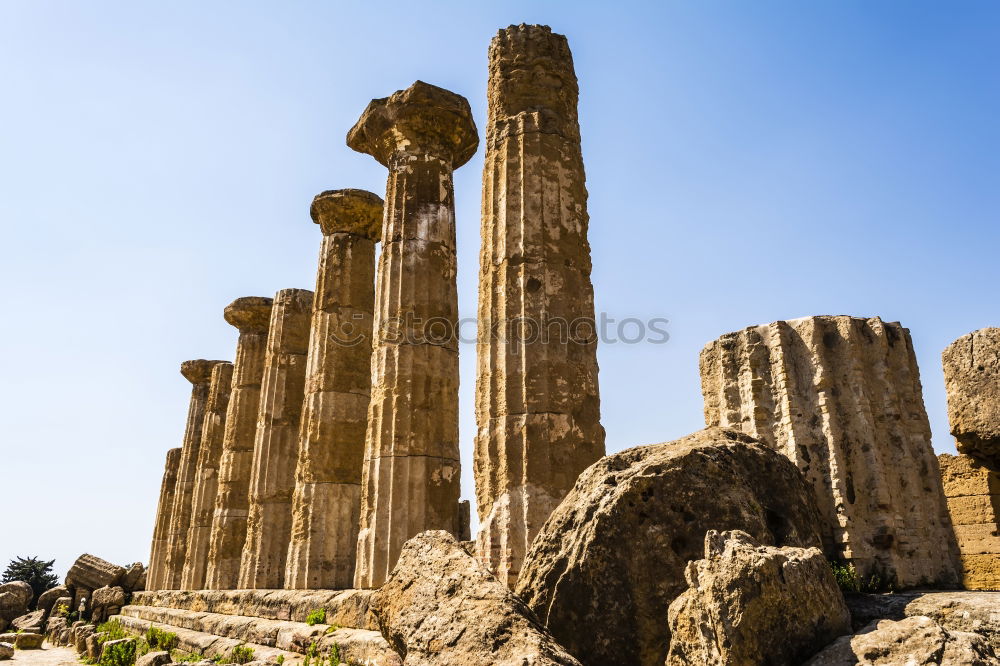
206	478
327	502
158	553
276	446
411	468
251	315
537	399
199	373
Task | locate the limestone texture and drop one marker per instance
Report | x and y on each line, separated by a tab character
611	558
251	315
973	492
326	506
15	597
48	598
105	602
276	445
841	397
161	528
6	650
30	622
199	373
23	641
537	398
91	572
206	478
134	579
753	604
440	606
410	479
972	380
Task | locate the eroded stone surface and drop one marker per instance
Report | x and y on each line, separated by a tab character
973	492
327	502
841	397
604	569
972	380
90	571
537	399
410	481
161	528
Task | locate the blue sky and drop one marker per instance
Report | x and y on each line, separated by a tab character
746	162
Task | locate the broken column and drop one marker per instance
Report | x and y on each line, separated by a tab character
158	552
206	478
972	379
276	446
199	373
251	315
537	399
411	467
327	502
841	397
973	492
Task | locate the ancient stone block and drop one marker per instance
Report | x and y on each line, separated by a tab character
973	492
841	397
327	500
161	528
605	567
972	380
410	481
276	446
48	598
251	315
537	399
92	572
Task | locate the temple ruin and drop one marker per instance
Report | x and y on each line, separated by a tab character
973	492
972	380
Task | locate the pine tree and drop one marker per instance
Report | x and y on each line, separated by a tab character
33	571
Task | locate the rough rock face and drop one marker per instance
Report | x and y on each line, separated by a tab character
841	397
31	622
915	640
6	650
161	528
48	598
154	659
753	604
23	641
15	598
134	579
973	492
604	569
91	572
105	602
410	481
440	606
972	379
537	398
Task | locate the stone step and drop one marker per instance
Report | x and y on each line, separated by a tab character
344	608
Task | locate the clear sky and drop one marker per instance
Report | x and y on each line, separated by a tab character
746	162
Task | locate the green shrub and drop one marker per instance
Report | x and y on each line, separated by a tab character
317	616
112	631
158	639
280	660
241	654
850	581
118	654
335	655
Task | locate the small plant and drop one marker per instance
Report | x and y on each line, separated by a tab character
280	660
158	639
315	617
241	654
187	658
849	580
62	610
332	628
112	631
335	655
313	650
118	654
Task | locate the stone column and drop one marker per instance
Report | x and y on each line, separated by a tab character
972	379
411	468
199	373
251	315
206	478
276	446
973	492
327	502
841	397
158	552
537	399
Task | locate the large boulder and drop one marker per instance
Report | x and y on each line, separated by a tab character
6	650
29	622
15	598
605	567
134	579
24	641
154	659
916	640
753	604
92	572
48	598
440	606
105	602
972	380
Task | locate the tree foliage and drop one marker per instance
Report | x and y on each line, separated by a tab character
33	571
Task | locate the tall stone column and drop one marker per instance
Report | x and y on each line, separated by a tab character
251	315
972	379
327	502
206	478
411	467
276	446
158	552
841	397
537	399
199	373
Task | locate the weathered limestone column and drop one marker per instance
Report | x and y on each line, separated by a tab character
276	446
972	379
973	492
158	552
199	373
537	399
251	315
411	467
841	397
206	478
326	506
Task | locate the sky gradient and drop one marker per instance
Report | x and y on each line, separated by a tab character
746	162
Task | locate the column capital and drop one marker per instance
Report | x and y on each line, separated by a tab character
423	119
198	371
348	211
250	314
